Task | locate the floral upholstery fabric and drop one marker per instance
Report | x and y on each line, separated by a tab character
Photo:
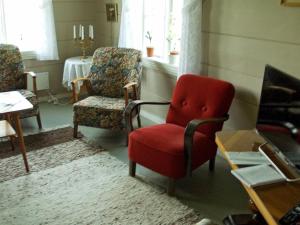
112	69
31	97
99	111
11	68
12	77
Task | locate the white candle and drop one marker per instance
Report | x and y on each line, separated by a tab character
92	32
79	31
82	33
74	31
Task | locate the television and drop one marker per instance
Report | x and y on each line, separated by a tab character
278	121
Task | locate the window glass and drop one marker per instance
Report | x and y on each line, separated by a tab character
18	28
162	18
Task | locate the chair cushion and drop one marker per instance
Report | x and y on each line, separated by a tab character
99	111
200	97
160	147
31	97
11	68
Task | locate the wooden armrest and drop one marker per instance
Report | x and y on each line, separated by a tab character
79	79
189	134
129	85
74	82
126	88
133	106
33	75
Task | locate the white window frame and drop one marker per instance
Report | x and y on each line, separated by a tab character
161	63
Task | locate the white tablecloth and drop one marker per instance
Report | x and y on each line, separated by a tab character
74	68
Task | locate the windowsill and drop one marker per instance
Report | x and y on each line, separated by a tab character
28	55
160	65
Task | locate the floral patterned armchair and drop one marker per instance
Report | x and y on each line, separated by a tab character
13	78
113	81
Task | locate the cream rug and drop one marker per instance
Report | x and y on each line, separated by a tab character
47	149
90	190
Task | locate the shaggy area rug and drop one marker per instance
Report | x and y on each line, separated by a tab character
46	149
87	186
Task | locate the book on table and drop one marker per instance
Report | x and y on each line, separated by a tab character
253	176
247	158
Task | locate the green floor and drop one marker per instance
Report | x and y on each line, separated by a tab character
214	194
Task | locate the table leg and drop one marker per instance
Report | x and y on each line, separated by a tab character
19	131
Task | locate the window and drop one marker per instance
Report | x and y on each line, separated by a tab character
29	25
162	18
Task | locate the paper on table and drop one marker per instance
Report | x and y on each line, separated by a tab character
253	176
8	99
247	158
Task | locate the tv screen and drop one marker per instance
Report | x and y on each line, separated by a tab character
278	118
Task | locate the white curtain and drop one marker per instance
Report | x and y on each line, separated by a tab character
191	38
29	25
131	26
3	37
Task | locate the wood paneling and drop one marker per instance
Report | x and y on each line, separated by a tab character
243	36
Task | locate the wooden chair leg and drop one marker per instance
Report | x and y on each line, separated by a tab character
171	186
38	118
12	142
132	168
212	164
75	131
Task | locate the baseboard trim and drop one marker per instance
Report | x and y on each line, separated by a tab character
46	98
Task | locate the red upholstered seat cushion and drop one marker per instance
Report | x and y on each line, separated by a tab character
160	147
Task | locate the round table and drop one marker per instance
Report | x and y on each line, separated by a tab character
74	68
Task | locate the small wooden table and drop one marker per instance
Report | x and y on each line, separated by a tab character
11	104
273	200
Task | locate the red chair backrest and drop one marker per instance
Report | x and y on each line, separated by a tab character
200	97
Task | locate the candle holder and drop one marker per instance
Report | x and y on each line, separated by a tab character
84	45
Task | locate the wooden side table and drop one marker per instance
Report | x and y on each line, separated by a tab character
11	104
273	200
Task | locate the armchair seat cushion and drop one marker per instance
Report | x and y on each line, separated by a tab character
160	148
100	111
31	97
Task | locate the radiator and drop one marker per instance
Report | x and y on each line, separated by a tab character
42	81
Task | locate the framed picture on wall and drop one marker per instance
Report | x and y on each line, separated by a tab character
295	3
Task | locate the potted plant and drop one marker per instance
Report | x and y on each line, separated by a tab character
173	57
150	49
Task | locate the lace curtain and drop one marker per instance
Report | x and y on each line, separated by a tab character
29	25
131	26
191	38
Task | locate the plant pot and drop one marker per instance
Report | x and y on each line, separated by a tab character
150	51
173	57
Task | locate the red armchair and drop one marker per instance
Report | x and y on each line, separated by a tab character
174	149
